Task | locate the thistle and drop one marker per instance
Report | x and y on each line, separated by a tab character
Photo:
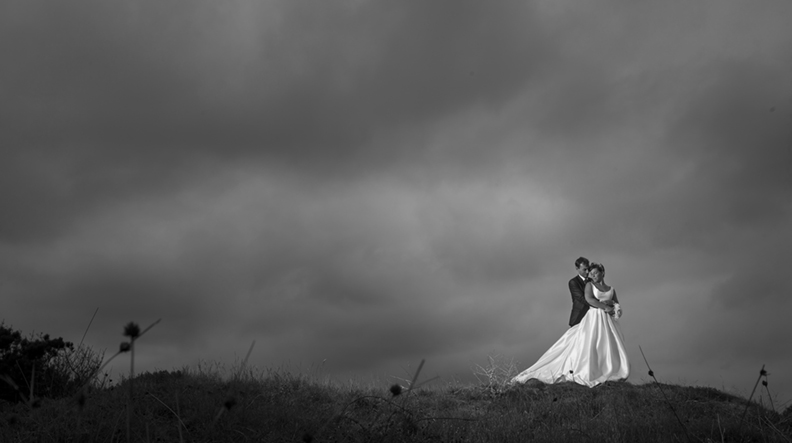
762	373
132	330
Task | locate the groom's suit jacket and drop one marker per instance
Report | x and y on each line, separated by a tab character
580	306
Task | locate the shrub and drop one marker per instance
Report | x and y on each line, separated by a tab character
40	366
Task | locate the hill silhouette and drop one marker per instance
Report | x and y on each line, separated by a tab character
204	405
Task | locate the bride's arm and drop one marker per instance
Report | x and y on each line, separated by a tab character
615	298
593	300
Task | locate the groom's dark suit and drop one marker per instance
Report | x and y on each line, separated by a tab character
580	306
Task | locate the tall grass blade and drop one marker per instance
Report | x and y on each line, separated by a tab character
415	377
89	327
23	374
244	362
651	374
131	389
150	326
230	400
762	372
32	383
176	414
769	397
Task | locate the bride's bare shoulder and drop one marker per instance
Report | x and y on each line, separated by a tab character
602	287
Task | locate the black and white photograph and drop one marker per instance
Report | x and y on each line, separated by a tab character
398	220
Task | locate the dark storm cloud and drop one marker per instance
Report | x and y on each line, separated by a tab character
757	279
723	164
741	145
377	183
102	100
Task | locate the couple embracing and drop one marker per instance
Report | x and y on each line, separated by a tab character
592	350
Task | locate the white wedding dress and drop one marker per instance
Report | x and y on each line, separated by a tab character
589	353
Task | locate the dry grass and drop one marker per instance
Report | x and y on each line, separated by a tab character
206	403
274	406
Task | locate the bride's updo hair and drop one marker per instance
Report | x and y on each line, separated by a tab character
597	266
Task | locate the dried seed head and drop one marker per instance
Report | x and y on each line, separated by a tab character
230	403
763	372
395	389
125	347
132	330
764	383
651	373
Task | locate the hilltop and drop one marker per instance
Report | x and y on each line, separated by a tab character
195	406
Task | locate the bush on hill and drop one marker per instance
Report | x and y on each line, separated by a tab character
39	366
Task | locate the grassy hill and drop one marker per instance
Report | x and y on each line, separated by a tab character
202	406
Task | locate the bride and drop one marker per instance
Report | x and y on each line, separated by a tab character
591	352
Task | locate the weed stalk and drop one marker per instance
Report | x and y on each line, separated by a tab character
230	400
762	373
651	374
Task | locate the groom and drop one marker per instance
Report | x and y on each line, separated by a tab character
577	287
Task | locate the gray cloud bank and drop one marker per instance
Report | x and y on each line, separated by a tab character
374	183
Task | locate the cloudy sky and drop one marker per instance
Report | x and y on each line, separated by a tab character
357	185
